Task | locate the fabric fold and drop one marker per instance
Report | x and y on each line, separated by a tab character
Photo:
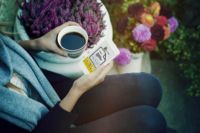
22	111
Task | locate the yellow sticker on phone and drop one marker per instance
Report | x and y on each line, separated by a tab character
89	65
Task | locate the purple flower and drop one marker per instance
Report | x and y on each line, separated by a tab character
141	33
173	23
124	57
41	16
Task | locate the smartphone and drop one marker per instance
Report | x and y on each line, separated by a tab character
100	55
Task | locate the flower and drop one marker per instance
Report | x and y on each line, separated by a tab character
141	33
39	17
173	23
157	32
136	10
161	20
155	9
124	57
149	45
141	25
167	32
147	19
122	24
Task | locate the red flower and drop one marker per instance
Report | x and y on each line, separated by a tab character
157	32
161	20
149	45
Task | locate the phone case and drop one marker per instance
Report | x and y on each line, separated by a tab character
98	56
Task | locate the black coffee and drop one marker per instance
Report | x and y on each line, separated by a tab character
72	41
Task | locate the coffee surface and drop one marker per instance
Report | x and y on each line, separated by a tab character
72	41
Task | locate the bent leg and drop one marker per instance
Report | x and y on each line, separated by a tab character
140	119
117	93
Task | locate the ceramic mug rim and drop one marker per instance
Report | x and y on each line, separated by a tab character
72	29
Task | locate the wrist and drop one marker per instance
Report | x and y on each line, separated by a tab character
75	91
70	99
29	44
78	88
34	44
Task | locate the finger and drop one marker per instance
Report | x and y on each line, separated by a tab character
60	52
106	69
71	23
102	71
100	78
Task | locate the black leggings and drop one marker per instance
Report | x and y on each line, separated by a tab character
121	104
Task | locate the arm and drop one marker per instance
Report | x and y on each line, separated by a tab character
82	85
29	44
59	118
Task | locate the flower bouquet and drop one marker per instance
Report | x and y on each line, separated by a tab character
140	29
37	17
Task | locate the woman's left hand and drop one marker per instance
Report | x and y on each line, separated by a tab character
47	42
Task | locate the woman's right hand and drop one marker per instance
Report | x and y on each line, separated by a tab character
84	84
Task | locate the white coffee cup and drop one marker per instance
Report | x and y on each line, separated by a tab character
73	53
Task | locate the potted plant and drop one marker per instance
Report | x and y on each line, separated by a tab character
91	15
139	27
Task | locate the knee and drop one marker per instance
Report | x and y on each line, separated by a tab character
154	121
151	120
150	87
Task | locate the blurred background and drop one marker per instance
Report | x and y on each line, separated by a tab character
175	60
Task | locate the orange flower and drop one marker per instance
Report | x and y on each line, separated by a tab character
147	19
155	9
167	32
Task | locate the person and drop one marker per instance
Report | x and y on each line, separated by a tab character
39	101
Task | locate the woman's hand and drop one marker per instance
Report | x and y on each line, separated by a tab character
84	84
47	42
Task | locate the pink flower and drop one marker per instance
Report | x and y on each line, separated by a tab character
141	33
173	23
124	57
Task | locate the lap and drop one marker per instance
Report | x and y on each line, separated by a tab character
117	93
139	119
